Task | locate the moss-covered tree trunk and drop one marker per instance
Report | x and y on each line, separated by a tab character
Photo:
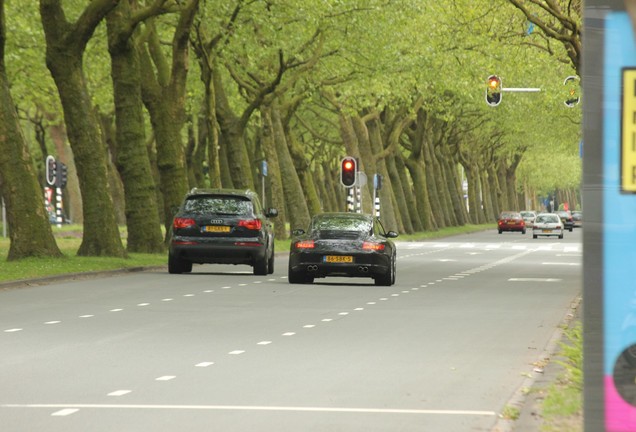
133	163
164	94
297	209
65	45
274	176
29	229
387	209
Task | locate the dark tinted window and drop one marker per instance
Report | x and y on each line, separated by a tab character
341	223
225	205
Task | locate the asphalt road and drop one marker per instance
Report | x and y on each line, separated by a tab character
444	349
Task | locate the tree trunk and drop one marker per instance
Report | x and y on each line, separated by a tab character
233	141
133	164
29	228
274	176
298	212
164	94
65	45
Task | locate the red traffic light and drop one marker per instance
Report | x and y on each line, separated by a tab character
348	170
493	91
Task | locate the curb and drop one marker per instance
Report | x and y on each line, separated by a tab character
74	276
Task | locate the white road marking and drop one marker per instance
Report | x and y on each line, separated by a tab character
288	334
271	280
570	255
370	303
534	280
188	295
236	352
13	330
119	393
86	316
384	299
446	260
65	412
261	408
571	249
563	263
309	326
52	322
226	287
242	284
414	289
475	253
438	280
167	299
143	304
204	364
116	310
327	320
395	295
257	282
165	378
343	313
358	309
264	343
208	291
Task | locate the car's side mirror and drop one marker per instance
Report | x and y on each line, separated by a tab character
391	234
298	231
271	212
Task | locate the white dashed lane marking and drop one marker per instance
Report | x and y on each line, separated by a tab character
119	393
204	364
65	412
165	378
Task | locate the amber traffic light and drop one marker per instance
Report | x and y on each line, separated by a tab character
493	91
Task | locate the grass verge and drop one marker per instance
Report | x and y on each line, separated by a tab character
69	238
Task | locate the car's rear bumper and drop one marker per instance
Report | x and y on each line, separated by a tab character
543	232
226	251
363	265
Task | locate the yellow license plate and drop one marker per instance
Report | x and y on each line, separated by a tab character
338	259
547	230
217	228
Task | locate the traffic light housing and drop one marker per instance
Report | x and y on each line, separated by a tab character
494	90
572	97
51	171
62	175
348	171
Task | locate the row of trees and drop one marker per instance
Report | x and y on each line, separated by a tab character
157	96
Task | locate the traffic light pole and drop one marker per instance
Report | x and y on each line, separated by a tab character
521	89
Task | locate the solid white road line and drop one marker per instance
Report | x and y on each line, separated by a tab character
76	407
534	280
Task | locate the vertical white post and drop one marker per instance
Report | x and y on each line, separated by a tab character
58	207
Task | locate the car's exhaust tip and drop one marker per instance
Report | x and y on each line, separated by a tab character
363	269
312	267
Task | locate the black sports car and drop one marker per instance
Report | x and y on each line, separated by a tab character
343	244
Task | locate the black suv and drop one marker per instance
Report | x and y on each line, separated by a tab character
222	226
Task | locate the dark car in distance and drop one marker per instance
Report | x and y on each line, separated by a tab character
511	221
222	226
566	218
343	244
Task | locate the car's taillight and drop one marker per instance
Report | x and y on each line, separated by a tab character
182	223
305	244
372	246
251	224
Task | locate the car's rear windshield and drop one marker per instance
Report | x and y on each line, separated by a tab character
341	224
547	218
221	205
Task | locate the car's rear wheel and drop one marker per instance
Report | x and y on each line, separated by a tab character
534	236
499	231
561	236
270	263
388	278
523	232
298	277
177	265
261	266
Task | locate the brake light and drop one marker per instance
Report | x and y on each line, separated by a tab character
372	246
182	223
305	244
251	224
